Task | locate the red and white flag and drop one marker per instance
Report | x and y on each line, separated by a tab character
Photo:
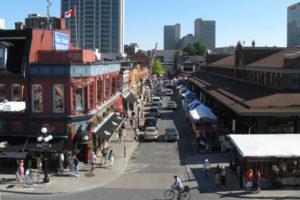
70	13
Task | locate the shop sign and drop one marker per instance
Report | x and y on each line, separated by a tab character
13	155
60	41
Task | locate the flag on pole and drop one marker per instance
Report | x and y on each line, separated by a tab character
70	13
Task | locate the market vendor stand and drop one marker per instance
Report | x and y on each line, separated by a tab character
277	156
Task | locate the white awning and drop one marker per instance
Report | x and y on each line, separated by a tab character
267	145
12	106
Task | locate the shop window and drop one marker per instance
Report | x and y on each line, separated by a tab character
58	98
78	99
37	98
113	86
280	126
16	92
99	91
2	92
92	95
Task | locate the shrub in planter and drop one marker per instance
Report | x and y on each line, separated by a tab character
91	147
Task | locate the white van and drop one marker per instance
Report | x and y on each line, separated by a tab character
156	99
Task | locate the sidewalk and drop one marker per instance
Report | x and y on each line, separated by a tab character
67	183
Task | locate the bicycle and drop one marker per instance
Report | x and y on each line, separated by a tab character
184	195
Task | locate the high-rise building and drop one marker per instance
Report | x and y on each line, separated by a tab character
171	36
205	32
293	25
2	23
98	24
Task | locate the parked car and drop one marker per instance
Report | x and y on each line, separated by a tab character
150	121
172	105
169	92
154	111
156	103
150	133
171	133
156	99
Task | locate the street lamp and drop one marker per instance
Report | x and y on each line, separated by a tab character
44	139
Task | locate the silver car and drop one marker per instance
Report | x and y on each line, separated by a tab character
171	133
150	133
172	105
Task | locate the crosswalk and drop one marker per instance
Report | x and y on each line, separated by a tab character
133	168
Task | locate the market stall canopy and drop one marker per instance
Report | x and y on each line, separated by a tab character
202	111
194	104
189	95
267	145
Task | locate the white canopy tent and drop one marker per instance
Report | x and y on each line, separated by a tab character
267	145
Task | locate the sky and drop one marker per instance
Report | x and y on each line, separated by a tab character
264	21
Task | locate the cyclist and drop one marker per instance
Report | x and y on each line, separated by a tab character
178	185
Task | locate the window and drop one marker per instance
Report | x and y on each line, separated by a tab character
99	91
107	88
16	92
58	98
92	95
37	98
2	92
78	99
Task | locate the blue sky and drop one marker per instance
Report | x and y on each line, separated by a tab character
264	21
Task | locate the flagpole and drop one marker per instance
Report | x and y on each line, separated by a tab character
76	26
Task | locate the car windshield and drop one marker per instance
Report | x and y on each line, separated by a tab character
172	102
150	122
171	131
151	129
153	110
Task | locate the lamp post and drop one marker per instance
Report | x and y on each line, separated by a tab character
44	139
138	115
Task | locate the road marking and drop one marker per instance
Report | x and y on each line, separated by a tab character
133	168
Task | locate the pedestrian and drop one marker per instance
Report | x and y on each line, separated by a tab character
38	162
93	160
206	167
123	124
29	160
104	155
132	115
131	122
137	133
223	176
120	135
111	158
18	171
61	159
21	170
76	166
69	160
249	176
258	181
217	175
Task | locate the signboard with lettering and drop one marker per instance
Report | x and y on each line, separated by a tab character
60	41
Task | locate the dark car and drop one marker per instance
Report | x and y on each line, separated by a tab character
150	121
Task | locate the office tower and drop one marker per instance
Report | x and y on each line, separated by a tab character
293	25
171	36
205	32
184	41
2	23
99	24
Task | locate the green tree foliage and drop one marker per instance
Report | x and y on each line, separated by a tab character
195	49
157	68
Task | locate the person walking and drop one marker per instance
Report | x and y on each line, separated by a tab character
217	175
137	133
18	171
120	135
21	170
249	176
76	166
38	162
111	158
258	181
206	167
104	155
61	160
223	176
93	160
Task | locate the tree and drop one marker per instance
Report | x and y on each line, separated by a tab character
190	49
195	49
200	48
157	68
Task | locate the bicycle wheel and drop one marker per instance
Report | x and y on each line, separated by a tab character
185	196
169	194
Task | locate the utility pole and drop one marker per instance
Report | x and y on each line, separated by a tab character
48	13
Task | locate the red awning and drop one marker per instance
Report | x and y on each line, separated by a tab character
119	104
